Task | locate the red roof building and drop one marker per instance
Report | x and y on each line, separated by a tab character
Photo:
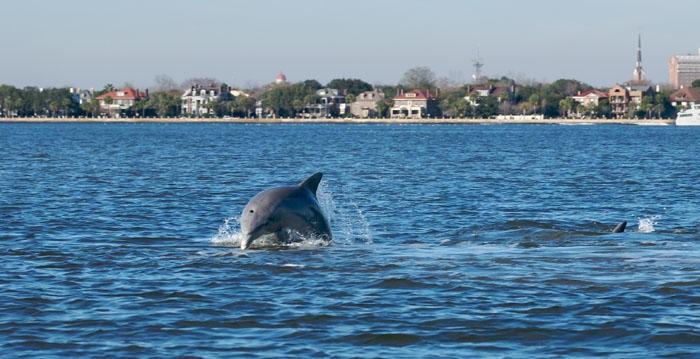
116	101
589	97
685	97
414	104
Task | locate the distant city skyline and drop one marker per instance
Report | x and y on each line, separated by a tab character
88	44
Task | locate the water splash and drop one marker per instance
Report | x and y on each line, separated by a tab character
229	233
348	222
647	224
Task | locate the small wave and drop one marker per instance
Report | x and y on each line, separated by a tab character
647	224
400	283
388	339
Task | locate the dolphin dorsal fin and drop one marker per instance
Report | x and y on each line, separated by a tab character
312	182
620	227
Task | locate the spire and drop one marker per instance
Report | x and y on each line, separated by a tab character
638	74
639	51
478	65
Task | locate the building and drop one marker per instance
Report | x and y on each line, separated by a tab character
619	98
365	104
638	75
683	70
589	98
685	97
330	104
414	104
196	99
281	78
80	96
115	102
623	99
474	93
587	101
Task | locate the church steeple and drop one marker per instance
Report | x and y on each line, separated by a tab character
638	74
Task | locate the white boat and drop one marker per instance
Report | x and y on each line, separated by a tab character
689	117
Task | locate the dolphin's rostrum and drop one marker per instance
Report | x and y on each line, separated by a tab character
283	214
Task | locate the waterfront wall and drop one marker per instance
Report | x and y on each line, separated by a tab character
466	121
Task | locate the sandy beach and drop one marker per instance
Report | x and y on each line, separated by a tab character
455	121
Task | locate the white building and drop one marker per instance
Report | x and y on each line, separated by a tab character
196	100
330	104
414	104
115	102
80	96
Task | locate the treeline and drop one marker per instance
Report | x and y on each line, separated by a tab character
32	101
505	97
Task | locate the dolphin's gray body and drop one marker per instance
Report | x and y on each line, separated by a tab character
284	213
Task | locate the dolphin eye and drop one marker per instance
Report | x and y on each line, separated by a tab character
251	211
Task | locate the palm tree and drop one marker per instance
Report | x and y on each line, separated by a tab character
109	101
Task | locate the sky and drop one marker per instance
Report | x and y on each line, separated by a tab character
89	43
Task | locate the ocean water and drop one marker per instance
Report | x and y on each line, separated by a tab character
119	240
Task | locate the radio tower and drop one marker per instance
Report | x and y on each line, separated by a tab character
478	65
638	74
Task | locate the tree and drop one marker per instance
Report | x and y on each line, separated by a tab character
419	78
287	100
453	104
566	106
201	81
695	83
109	101
91	107
242	106
164	104
350	86
165	83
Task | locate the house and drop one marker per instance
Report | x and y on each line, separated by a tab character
365	104
589	98
623	100
114	102
414	104
196	99
80	96
330	104
474	93
685	97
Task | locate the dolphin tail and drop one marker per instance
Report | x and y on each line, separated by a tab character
312	182
620	227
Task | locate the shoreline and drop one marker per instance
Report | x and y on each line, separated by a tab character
440	121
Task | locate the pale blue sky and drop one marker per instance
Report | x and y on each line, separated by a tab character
89	43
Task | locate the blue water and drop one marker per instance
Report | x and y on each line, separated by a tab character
450	241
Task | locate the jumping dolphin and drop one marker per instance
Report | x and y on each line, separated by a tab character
284	213
620	227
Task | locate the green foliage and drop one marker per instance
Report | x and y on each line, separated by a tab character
453	103
657	105
286	100
161	104
31	101
695	83
242	106
484	107
352	87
